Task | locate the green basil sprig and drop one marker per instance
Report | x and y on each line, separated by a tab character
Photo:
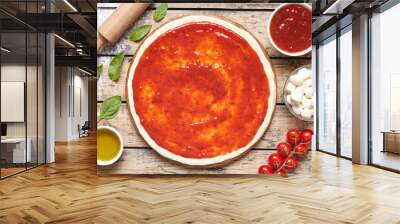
114	70
139	32
160	12
110	107
99	70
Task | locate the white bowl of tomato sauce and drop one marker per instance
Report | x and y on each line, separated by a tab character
289	29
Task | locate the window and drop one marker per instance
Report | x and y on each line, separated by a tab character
346	92
327	96
385	89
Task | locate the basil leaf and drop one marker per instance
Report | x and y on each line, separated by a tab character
140	32
99	70
160	12
114	70
110	107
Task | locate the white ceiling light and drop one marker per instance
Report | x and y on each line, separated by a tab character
70	5
337	7
5	50
86	72
79	51
65	41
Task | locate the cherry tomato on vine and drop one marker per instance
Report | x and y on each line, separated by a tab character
306	135
275	160
283	149
301	150
291	164
266	169
282	172
294	137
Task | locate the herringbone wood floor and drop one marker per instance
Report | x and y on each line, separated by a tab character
69	191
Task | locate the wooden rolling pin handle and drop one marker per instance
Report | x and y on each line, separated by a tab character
101	42
120	21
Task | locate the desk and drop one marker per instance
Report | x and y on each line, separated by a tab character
391	141
17	150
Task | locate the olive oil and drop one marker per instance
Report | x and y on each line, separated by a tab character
108	145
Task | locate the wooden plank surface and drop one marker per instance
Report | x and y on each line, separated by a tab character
140	160
254	21
281	122
201	6
138	157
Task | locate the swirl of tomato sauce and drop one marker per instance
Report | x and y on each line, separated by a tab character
200	91
290	28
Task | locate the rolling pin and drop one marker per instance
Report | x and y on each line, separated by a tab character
118	23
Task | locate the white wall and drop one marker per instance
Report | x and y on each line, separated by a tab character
33	127
61	114
80	84
70	83
12	73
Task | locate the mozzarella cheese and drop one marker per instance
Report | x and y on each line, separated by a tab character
299	93
290	87
296	80
308	92
308	83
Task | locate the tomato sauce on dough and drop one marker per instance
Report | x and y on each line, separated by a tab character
290	28
200	91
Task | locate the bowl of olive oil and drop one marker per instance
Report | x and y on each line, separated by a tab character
109	145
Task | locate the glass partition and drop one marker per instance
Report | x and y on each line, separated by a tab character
22	101
32	81
13	94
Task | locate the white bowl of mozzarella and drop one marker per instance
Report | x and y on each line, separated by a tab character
298	93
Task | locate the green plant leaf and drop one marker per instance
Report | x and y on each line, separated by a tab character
160	12
110	107
99	70
139	32
114	70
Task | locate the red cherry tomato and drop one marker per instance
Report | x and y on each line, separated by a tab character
283	149
293	137
265	169
301	150
306	135
275	160
282	172
291	164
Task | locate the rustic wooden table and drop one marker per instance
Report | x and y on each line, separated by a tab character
138	157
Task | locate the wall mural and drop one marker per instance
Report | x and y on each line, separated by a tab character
186	89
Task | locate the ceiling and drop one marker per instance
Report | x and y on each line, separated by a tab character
332	15
74	22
